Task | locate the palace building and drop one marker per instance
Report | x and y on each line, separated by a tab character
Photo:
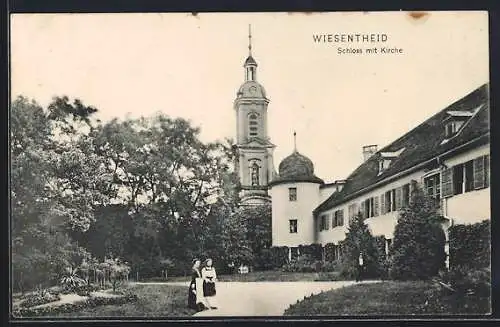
448	155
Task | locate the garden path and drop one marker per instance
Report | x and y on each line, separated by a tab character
263	298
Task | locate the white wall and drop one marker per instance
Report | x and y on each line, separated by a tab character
380	225
325	192
283	210
470	207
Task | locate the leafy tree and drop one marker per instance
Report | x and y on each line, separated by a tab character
418	246
360	240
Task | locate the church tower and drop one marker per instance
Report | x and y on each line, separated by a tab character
254	151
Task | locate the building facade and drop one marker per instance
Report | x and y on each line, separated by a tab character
447	156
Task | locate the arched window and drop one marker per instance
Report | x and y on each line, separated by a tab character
253	125
254	173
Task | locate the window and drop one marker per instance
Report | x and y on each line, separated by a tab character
324	222
389	201
458	179
465	177
432	186
253	124
406	193
469	176
370	207
292	193
293	225
452	127
338	218
352	211
481	172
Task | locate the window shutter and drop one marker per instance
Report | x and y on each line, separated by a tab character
350	210
341	217
375	206
382	204
363	209
479	176
447	182
399	198
327	223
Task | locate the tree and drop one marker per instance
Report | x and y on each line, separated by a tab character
418	246
359	240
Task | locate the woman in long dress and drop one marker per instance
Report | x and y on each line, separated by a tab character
209	277
195	292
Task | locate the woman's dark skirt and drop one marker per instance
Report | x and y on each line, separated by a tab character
208	289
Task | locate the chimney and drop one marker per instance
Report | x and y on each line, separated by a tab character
368	151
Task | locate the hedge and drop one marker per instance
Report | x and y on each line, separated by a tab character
470	245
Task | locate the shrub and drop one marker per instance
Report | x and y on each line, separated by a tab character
72	307
418	247
39	298
470	245
359	240
329	252
313	251
304	263
460	290
70	281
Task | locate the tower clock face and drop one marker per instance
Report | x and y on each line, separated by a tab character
253	89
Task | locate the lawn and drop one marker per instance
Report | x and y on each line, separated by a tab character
264	276
153	301
385	298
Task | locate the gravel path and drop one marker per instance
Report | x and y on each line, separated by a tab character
262	298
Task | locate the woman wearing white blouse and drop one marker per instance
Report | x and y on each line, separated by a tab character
209	276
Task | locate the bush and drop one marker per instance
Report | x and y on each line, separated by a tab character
72	307
418	248
460	291
313	251
304	263
470	245
39	298
359	240
329	252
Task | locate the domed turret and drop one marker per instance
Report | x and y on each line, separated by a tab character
296	168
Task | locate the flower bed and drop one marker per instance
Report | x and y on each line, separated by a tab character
38	299
80	302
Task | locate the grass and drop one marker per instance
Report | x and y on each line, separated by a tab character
385	298
153	301
265	276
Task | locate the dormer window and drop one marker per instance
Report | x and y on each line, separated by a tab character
452	127
386	159
455	121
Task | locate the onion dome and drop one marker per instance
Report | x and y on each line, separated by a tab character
296	168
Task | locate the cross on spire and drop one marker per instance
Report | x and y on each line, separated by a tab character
249	39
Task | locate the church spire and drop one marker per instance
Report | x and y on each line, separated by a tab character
249	40
294	141
250	63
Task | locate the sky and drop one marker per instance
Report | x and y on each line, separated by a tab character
139	64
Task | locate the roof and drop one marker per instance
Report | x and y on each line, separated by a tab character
250	61
296	168
423	143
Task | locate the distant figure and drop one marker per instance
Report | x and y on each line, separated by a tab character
359	276
195	293
209	278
